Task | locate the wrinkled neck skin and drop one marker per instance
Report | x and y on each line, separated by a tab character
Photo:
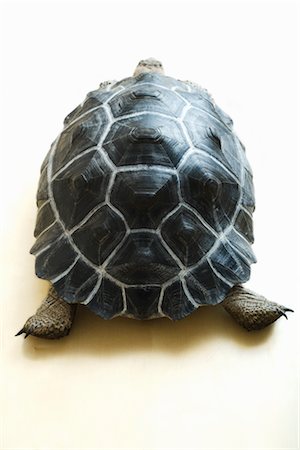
149	65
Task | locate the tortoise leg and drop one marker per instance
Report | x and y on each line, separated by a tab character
52	320
252	311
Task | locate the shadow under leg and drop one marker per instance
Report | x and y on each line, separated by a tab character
252	311
52	320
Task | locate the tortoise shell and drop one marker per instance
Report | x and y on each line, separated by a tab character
145	202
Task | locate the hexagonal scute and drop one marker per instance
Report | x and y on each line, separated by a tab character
142	302
176	304
146	97
144	196
57	258
211	280
78	283
227	262
210	134
241	245
80	187
142	260
146	139
47	238
210	189
107	302
100	234
206	287
200	121
83	134
189	239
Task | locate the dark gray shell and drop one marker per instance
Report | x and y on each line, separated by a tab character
145	202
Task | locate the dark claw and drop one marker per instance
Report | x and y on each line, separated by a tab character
20	332
283	310
26	332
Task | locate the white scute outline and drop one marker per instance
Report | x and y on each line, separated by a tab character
93	292
192	150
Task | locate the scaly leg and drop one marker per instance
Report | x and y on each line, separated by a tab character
52	320
252	311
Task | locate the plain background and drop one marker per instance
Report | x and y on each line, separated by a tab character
203	383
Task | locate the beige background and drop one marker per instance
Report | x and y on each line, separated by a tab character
202	383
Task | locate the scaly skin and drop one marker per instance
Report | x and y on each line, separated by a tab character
252	311
52	320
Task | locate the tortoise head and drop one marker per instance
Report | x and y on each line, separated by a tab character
149	65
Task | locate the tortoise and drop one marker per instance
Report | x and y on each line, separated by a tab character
145	205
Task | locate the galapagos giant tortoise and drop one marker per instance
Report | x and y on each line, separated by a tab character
145	206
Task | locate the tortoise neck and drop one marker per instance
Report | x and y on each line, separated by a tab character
149	65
